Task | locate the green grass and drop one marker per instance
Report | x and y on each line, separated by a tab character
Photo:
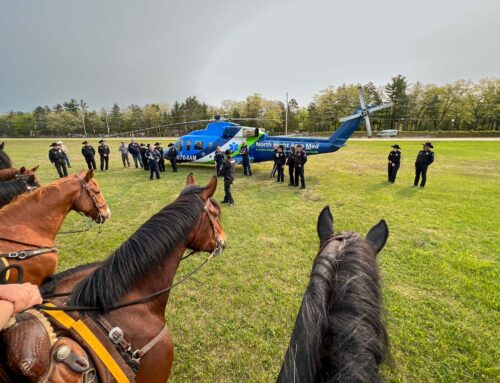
233	320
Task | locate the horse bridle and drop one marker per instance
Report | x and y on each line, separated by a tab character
93	197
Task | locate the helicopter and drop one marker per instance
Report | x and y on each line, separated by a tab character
199	146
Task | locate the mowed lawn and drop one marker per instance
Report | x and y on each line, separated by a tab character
233	320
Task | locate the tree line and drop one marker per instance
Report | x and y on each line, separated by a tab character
462	105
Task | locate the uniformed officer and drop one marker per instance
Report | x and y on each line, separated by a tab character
56	157
291	166
425	157
143	149
219	159
275	165
104	151
135	150
299	161
227	171
394	162
245	159
172	156
89	154
161	163
153	158
280	163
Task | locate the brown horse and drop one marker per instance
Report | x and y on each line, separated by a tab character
5	161
145	266
15	173
29	224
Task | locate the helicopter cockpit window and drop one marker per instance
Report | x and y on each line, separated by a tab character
188	145
198	145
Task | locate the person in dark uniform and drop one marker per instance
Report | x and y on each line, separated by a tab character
56	157
245	159
227	171
394	162
144	159
275	166
135	150
219	159
424	158
89	154
104	151
172	156
153	158
161	163
299	161
280	163
291	166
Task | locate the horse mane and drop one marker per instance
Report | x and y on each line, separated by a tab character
5	161
11	189
339	334
152	243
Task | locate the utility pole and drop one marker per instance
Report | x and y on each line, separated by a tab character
107	125
82	105
286	115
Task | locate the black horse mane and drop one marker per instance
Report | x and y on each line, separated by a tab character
5	161
50	283
153	242
11	189
339	334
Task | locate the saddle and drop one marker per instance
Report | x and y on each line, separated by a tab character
43	347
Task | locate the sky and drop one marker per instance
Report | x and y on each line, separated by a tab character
144	51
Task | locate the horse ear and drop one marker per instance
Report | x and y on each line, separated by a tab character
35	168
209	190
325	224
22	170
190	179
377	235
2	145
89	175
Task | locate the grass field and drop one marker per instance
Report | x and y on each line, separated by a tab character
233	320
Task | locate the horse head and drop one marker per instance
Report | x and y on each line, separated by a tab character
24	174
90	200
208	234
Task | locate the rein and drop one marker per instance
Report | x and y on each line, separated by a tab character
217	251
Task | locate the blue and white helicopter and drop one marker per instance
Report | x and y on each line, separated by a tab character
199	146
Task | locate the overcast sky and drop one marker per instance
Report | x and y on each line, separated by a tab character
124	51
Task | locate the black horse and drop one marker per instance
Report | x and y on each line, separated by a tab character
339	335
11	189
5	161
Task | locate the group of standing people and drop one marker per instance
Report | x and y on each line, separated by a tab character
295	161
424	159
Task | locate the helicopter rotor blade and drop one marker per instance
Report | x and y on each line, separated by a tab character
368	126
361	98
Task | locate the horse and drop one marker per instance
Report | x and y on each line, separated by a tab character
11	189
15	173
29	225
131	287
339	334
5	161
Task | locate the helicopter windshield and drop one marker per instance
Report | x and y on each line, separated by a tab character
178	145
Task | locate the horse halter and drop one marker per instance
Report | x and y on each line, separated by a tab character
93	197
219	244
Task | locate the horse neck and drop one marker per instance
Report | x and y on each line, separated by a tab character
7	174
45	214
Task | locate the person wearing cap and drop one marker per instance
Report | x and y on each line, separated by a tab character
219	160
291	166
89	154
56	157
172	156
135	150
227	171
123	149
280	163
299	161
65	150
143	149
245	158
394	162
104	151
275	165
153	158
161	163
425	157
